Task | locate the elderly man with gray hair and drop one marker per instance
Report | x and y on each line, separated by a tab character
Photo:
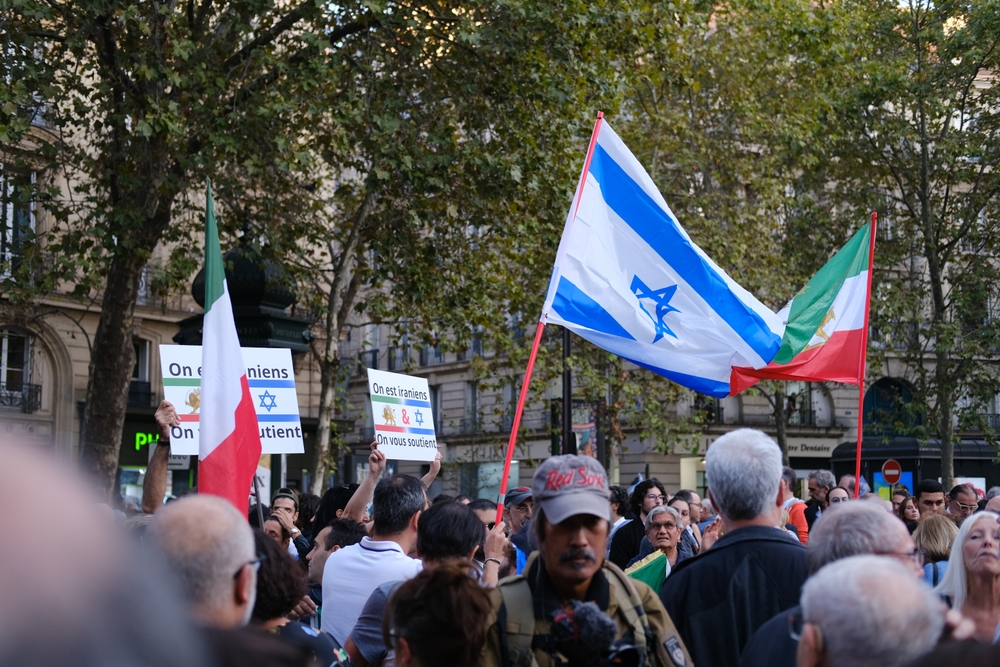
209	548
755	570
866	611
852	529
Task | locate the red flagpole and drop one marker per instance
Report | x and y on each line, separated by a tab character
538	339
864	358
517	420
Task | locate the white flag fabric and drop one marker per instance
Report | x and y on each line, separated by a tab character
629	279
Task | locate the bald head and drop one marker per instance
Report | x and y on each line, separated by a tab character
853	529
209	546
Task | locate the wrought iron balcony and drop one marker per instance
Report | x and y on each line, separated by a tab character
368	358
140	394
27	397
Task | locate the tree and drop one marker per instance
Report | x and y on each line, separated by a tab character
917	139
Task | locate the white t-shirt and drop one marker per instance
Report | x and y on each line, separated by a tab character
352	573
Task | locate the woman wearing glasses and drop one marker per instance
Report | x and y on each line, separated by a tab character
971	584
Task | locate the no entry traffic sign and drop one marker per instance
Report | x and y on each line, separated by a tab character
891	471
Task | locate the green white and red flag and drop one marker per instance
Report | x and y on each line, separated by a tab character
229	443
826	323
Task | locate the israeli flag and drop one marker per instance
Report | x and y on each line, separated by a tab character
630	280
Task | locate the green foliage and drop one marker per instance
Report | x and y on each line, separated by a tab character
916	138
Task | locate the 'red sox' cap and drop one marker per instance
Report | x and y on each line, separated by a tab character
569	485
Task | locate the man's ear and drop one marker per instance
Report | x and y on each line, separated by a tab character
340	513
810	650
415	519
243	586
779	499
336	547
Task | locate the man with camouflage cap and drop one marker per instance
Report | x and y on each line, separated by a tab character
571	606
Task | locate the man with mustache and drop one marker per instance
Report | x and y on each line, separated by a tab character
571	606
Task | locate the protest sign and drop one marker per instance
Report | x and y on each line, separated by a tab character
272	387
401	411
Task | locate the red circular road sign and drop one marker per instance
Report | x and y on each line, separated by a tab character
891	471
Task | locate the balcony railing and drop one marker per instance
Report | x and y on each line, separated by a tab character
803	417
27	397
368	359
140	394
431	356
398	358
470	426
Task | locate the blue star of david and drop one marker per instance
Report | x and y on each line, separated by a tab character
265	397
661	300
419	417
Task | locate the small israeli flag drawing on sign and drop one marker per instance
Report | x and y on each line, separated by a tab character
629	279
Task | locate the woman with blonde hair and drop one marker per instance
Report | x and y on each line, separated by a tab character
935	535
971	583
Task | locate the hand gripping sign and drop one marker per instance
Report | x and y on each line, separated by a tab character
401	412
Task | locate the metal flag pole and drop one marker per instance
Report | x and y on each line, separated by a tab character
568	437
260	508
864	358
534	346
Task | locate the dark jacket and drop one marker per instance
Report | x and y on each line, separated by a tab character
625	544
811	508
771	645
719	598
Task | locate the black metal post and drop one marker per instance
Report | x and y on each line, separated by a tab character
569	438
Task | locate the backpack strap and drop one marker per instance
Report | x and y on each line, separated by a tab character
517	621
630	605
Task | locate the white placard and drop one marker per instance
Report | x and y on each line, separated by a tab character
272	389
401	411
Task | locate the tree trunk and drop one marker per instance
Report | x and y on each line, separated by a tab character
780	418
946	430
111	362
338	304
328	390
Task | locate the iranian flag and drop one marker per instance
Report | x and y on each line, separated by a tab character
826	323
229	445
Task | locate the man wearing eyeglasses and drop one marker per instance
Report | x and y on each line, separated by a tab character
517	512
866	611
963	501
628	538
853	529
209	546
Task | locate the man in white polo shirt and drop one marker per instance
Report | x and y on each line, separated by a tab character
352	573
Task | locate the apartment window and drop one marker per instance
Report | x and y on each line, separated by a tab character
436	407
140	391
470	424
15	373
16	217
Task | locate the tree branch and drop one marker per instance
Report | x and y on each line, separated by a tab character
269	35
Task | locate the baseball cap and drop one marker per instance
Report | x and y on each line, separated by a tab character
286	493
517	496
569	485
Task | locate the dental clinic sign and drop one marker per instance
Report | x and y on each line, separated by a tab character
272	387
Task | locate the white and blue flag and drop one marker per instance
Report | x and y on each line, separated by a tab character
629	279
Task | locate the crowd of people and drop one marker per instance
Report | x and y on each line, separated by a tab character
578	572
